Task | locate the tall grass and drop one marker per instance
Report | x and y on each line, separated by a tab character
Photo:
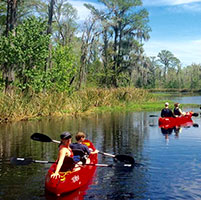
20	107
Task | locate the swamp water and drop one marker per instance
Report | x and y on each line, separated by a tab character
169	167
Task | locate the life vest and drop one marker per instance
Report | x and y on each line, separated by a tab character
177	111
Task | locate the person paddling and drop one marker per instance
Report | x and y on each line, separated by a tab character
166	112
64	152
80	138
177	111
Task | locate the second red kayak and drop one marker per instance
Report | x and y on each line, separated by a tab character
170	122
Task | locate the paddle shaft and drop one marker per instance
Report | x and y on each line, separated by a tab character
27	161
107	154
48	139
56	141
122	158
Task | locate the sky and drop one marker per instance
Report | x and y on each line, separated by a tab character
175	24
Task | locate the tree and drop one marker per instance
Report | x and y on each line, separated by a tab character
64	69
11	21
89	36
125	24
65	25
168	60
27	51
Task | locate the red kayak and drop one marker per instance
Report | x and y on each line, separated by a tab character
73	179
170	122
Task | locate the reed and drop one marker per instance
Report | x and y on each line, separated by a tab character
20	107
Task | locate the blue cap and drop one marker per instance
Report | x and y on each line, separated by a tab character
65	135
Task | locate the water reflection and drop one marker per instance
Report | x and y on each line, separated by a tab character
75	195
176	168
176	129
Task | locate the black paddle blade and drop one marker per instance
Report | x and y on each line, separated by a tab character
153	115
125	158
21	161
195	125
41	137
195	114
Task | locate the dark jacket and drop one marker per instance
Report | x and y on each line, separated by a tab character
166	112
177	111
76	146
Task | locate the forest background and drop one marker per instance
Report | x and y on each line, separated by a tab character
50	65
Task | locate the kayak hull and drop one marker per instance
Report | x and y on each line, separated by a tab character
170	122
71	180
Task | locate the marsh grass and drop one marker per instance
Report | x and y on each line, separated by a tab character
19	107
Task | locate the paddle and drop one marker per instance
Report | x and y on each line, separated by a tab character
42	138
27	161
122	158
195	125
153	115
194	115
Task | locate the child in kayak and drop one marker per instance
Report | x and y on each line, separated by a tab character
166	112
64	152
177	111
79	145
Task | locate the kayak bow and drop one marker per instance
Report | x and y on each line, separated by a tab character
73	179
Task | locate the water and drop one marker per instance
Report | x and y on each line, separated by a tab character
195	99
169	167
188	99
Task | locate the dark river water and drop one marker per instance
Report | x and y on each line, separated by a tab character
168	167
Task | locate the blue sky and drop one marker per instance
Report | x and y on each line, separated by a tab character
175	24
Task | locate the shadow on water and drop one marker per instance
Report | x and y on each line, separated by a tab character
176	129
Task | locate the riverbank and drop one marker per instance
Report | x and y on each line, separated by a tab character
172	90
35	106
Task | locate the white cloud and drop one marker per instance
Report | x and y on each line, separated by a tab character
179	2
187	52
83	12
168	2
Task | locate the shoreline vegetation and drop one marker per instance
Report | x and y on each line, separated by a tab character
21	107
43	60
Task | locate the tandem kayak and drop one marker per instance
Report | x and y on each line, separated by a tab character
170	122
73	179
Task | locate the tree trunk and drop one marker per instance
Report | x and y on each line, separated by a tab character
105	56
11	21
114	80
49	31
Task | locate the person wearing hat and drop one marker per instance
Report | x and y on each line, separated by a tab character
177	111
166	112
64	152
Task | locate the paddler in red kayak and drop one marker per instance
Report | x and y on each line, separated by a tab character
64	152
79	145
166	112
177	111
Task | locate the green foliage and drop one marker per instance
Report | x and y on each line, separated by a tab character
64	68
27	50
123	26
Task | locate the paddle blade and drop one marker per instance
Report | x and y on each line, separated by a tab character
195	114
41	137
125	158
153	115
21	161
195	125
